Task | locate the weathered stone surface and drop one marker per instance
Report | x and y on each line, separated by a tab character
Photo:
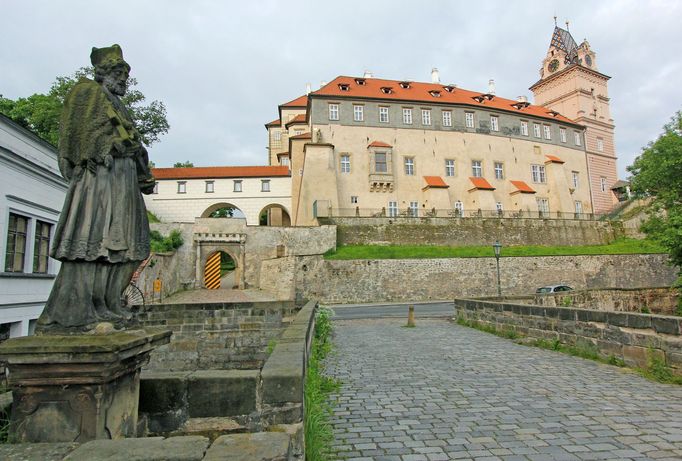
260	446
636	356
212	428
190	448
222	392
164	399
36	451
661	301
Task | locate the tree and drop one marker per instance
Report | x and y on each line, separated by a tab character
657	173
40	112
186	164
226	212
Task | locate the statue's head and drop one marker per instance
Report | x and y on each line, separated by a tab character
110	68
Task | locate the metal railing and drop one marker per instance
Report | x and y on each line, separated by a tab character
358	212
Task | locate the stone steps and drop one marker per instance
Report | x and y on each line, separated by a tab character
212	427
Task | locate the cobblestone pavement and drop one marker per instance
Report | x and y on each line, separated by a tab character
441	391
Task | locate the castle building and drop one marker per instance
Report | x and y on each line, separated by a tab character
375	147
571	84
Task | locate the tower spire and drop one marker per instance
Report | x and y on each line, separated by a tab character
555	21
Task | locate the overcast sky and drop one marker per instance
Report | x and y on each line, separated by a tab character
222	68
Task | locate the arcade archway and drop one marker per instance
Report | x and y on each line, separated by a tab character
223	210
274	215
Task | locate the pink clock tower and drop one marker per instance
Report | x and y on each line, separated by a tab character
571	84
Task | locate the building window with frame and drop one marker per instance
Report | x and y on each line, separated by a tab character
498	208
265	185
494	123
284	160
383	114
449	167
459	208
345	164
407	116
469	119
413	209
156	188
426	117
409	166
578	208
277	136
499	170
210	187
537	172
392	209
380	163
476	169
182	187
298	132
602	184
562	134
333	111
600	145
447	118
548	131
41	248
543	206
576	138
358	113
576	179
524	128
15	252
536	130
237	186
353	199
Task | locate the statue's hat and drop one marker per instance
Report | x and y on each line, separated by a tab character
109	55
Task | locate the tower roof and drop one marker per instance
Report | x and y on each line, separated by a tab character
563	40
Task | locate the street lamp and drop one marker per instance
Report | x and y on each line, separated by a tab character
497	247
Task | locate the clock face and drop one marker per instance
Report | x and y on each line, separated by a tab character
553	65
588	60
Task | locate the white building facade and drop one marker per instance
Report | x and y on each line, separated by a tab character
32	193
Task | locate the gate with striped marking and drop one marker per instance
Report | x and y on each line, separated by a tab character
212	272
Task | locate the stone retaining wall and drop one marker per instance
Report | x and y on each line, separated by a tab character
635	338
359	281
474	231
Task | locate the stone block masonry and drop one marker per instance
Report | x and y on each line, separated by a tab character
632	337
360	281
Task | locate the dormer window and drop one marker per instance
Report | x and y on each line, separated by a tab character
478	99
520	105
360	81
449	88
405	85
435	93
553	113
344	86
386	90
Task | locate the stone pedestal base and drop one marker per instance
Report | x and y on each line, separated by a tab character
77	388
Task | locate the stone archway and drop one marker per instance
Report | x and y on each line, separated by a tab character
208	244
220	271
223	210
274	215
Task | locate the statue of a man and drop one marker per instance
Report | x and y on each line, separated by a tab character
103	232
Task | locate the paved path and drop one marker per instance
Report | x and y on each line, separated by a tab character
445	309
441	391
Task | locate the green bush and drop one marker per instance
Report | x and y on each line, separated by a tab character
161	244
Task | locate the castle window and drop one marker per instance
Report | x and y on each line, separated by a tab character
426	117
380	164
547	131
447	118
576	179
536	130
524	128
383	114
277	136
413	209
576	138
600	145
386	90
41	247
578	208
265	185
353	199
392	209
543	206
476	169
360	81
237	186
459	208
449	88
345	163
499	170
182	187
210	187
358	113
409	166
537	172
602	183
333	111
562	134
405	85
449	167
407	116
494	123
284	160
344	86
498	207
435	93
16	243
469	119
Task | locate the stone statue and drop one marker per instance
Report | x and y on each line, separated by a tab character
103	232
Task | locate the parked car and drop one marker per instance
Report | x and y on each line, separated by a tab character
553	289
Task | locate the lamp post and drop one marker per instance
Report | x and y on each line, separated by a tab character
497	247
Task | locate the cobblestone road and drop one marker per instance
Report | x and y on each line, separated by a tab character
441	391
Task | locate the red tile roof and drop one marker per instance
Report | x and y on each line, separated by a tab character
212	172
522	187
300	118
480	183
379	144
423	92
273	123
302	136
301	101
553	159
435	181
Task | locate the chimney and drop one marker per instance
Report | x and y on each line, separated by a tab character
521	99
491	86
368	74
307	88
435	77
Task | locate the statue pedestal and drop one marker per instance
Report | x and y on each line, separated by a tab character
77	388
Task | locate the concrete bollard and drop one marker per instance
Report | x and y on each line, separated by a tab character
410	317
